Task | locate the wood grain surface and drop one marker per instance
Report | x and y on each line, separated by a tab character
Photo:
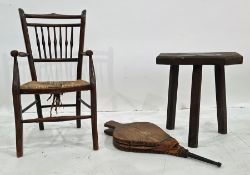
143	137
207	58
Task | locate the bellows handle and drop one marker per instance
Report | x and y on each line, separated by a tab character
194	156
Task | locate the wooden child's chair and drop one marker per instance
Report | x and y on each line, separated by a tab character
55	43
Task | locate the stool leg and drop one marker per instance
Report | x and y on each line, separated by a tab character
221	98
172	95
195	106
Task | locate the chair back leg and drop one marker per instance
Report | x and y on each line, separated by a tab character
39	110
78	108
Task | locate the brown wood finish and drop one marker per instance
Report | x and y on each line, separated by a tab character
43	43
29	106
218	60
49	43
206	58
55	42
221	98
52	16
60	41
79	66
78	108
52	48
195	106
27	44
143	137
55	60
39	110
38	43
54	25
66	41
172	95
62	105
94	118
71	41
85	104
55	119
147	137
17	107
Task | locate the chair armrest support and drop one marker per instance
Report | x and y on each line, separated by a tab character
16	77
92	77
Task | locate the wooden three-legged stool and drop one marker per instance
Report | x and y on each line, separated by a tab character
219	60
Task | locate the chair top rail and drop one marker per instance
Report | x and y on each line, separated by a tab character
53	16
53	25
56	60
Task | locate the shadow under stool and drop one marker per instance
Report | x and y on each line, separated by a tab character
218	60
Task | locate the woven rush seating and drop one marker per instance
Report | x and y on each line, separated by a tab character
56	86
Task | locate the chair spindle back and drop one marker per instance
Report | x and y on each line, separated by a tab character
55	42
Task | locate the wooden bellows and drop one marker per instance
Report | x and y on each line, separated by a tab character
148	138
143	137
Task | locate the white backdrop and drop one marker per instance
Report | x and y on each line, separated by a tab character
126	37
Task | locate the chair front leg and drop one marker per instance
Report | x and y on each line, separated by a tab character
18	124
78	108
17	106
39	110
94	118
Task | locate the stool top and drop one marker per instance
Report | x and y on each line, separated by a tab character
208	58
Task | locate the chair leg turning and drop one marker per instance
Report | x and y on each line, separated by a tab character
94	119
39	110
18	124
78	109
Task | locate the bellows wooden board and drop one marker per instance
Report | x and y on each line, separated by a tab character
148	138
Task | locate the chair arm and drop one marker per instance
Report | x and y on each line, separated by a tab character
16	77
92	77
87	53
15	54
